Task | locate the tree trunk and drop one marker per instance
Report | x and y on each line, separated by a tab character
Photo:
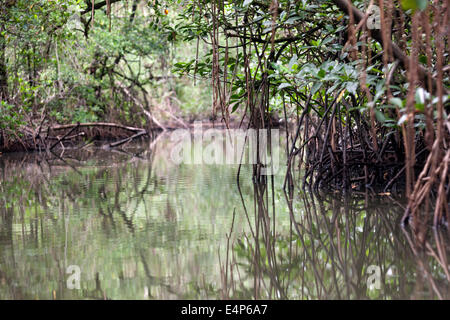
3	70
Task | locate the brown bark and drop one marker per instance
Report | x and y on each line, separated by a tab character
3	70
398	53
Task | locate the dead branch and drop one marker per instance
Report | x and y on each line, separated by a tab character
140	105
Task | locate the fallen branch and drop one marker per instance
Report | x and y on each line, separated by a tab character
119	143
139	104
95	124
97	6
81	134
64	136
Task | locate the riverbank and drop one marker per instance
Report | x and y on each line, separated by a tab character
72	135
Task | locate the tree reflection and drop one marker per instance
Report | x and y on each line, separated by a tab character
139	228
329	248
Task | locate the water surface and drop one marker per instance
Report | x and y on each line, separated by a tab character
141	227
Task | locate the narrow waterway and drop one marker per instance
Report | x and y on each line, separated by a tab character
97	224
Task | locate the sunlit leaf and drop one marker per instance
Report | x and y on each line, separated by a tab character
414	4
284	85
316	87
402	119
397	102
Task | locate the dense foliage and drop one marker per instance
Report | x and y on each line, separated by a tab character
61	60
364	82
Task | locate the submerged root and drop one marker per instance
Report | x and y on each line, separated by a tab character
339	155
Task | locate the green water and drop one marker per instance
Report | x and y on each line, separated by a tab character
141	227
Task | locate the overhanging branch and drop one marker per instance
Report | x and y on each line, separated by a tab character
97	6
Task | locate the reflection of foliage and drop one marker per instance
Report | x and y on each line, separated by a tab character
326	252
124	226
139	228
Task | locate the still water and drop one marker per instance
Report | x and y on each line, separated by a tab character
134	225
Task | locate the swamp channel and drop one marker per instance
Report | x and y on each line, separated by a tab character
135	225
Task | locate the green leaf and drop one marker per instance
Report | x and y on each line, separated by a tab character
316	87
420	107
284	85
380	116
409	4
423	59
293	61
422	4
414	4
234	105
321	73
351	87
402	119
421	95
291	20
397	102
